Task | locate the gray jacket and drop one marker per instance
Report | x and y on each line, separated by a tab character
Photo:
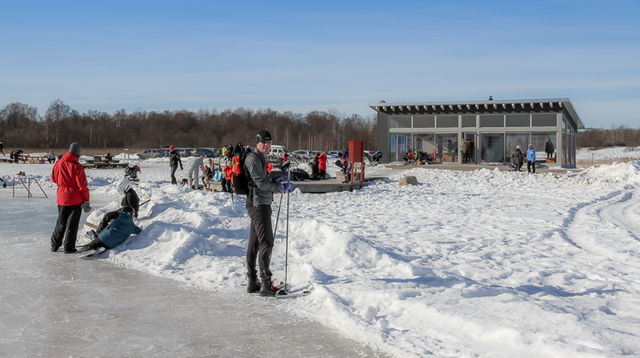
262	192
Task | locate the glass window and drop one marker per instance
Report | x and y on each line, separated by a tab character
469	120
426	143
424	121
491	120
518	120
400	122
447	147
544	119
447	121
492	147
540	140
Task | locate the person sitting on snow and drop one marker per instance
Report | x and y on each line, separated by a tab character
130	199
117	233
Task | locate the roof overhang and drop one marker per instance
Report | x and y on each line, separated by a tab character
521	105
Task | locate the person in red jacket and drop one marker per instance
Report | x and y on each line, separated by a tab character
72	198
226	181
322	164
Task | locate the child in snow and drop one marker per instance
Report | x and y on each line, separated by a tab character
117	233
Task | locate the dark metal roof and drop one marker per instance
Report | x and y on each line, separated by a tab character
492	106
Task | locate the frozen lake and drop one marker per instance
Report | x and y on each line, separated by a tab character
56	305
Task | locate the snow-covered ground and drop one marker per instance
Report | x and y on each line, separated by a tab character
481	263
608	154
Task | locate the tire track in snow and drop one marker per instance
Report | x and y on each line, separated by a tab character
596	227
563	231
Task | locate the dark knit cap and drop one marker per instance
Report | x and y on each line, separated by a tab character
75	148
263	136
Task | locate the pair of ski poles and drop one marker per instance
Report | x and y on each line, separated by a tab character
286	236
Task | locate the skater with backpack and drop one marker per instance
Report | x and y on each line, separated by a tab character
251	179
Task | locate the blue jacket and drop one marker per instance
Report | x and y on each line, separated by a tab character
531	155
119	231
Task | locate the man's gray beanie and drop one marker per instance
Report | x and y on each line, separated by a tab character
75	148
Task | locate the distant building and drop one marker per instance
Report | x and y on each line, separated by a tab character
493	127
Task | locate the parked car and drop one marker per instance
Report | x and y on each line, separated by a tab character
333	154
185	152
204	152
277	151
153	153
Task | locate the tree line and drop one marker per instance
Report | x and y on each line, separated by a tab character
22	126
599	138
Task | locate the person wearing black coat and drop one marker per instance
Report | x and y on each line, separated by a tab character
517	159
174	161
548	148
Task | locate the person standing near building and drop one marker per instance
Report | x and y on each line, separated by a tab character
548	148
531	159
464	147
72	198
516	159
174	160
259	198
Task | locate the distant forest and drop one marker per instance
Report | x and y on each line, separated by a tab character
22	126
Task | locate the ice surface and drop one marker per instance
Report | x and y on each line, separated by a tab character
57	305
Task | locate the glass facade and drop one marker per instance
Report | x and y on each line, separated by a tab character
492	147
518	120
400	122
491	120
494	135
447	121
424	121
468	120
544	119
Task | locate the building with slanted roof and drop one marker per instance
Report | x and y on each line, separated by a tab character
492	129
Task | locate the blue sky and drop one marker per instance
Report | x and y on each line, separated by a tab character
321	55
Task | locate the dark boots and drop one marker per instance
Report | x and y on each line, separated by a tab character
253	285
268	288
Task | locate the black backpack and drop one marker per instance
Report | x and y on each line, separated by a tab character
241	180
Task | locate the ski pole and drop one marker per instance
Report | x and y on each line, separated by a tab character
286	255
275	229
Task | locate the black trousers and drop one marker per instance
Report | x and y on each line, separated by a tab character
260	241
106	219
173	175
530	166
226	185
66	230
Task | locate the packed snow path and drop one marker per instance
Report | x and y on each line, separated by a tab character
57	305
480	263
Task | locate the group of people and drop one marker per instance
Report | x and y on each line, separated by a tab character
115	227
518	158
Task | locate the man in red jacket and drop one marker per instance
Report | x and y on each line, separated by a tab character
73	197
322	164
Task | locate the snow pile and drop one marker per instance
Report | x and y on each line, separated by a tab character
616	173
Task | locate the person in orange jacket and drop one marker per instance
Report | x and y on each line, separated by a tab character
72	198
322	164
